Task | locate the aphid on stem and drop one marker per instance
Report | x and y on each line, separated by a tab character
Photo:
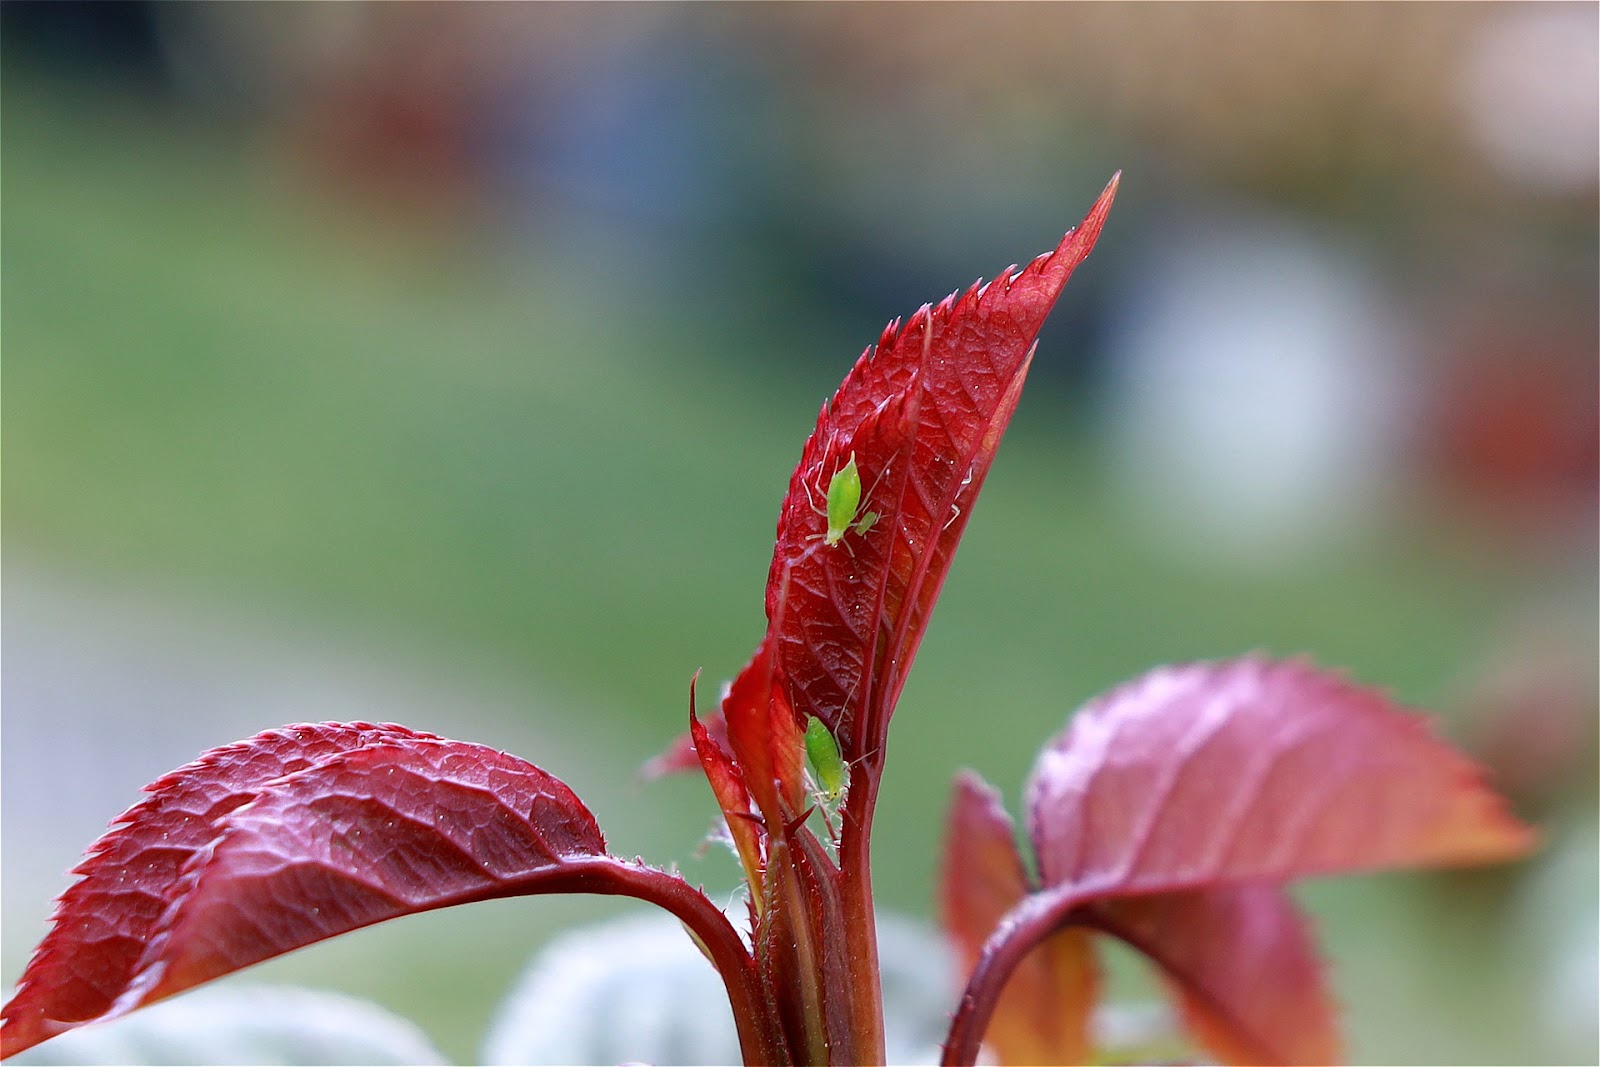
827	770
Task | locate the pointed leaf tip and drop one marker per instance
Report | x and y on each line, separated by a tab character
1095	221
923	413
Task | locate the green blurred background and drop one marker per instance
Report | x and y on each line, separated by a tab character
447	364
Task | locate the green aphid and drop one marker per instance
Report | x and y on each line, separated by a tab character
828	769
844	501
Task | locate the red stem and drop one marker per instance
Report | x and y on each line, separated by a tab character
860	920
797	945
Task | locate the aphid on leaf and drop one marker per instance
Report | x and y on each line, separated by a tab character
844	504
829	771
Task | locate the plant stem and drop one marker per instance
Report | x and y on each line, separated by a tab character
793	957
860	920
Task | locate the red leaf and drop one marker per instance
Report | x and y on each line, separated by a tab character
1046	1008
1243	965
917	421
293	836
922	413
1164	805
1252	770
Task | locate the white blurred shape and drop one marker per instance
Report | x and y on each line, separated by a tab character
1257	391
1530	94
1559	924
244	1024
637	988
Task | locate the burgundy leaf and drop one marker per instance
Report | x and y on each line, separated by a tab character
1244	968
922	413
104	920
294	836
1044	1012
1252	770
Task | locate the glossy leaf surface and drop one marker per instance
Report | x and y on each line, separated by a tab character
293	836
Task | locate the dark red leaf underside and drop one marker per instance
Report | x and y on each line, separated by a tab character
1045	1011
1243	966
922	412
293	836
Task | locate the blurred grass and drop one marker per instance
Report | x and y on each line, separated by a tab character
220	384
